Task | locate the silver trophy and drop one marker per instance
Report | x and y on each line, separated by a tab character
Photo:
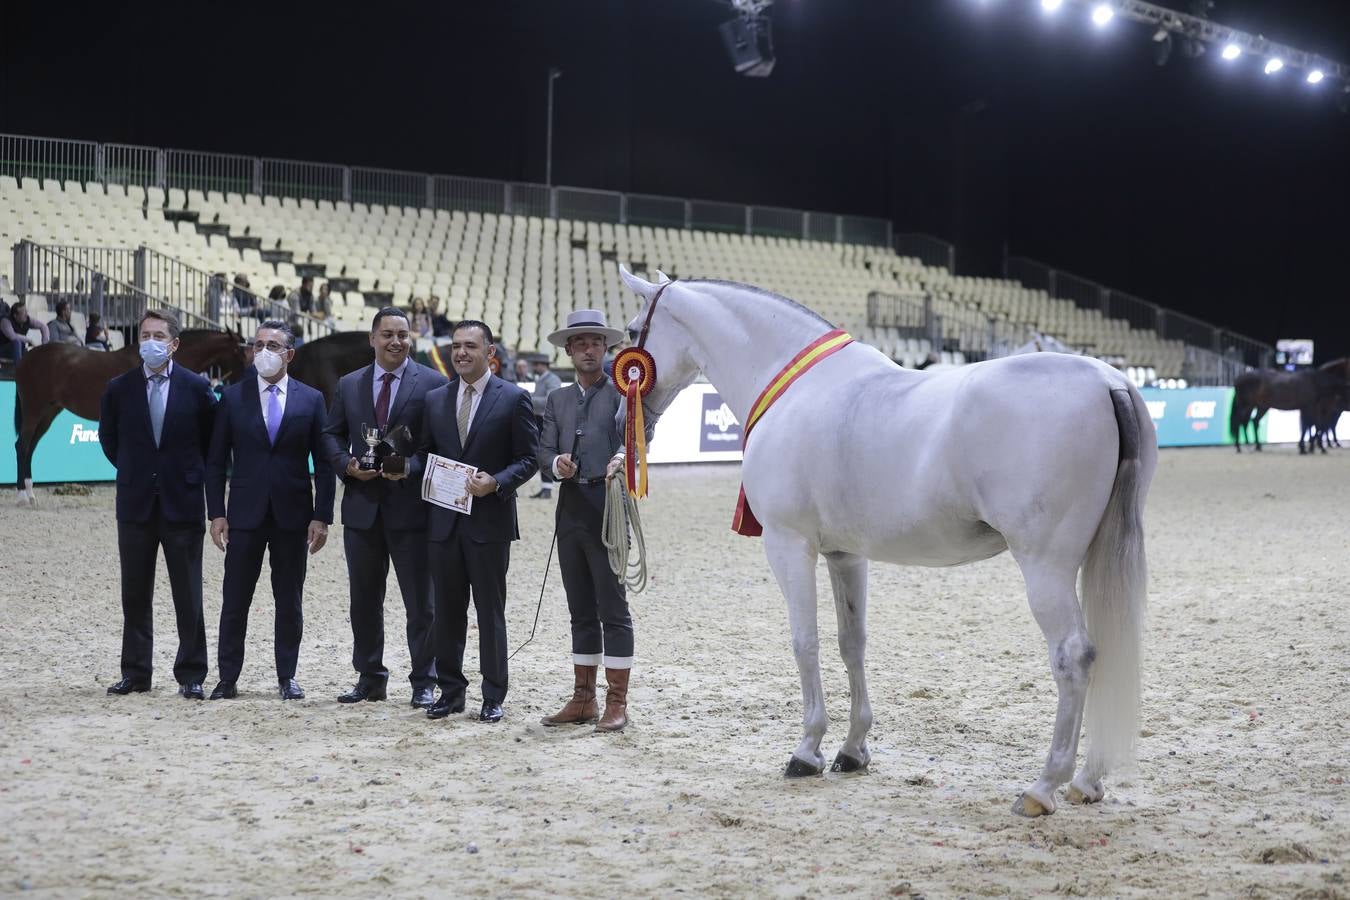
370	460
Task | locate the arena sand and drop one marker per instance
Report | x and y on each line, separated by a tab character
1239	790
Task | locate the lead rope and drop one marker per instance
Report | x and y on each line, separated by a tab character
621	518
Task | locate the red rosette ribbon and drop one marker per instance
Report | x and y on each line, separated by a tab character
634	376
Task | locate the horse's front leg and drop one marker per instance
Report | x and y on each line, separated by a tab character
793	560
848	575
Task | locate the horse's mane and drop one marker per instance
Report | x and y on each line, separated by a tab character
750	288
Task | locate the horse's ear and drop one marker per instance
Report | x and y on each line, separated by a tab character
661	277
637	285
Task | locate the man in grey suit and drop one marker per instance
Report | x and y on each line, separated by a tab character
383	516
546	381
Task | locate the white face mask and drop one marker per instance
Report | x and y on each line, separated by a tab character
267	363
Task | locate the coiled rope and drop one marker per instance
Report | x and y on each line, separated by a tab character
621	520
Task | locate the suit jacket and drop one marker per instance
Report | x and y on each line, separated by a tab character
400	502
266	475
503	441
175	470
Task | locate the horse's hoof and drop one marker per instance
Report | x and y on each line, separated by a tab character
845	763
799	768
1092	794
1028	806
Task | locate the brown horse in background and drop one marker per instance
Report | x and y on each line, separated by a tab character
320	363
1257	392
57	376
1330	407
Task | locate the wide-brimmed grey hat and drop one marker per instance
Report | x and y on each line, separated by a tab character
586	321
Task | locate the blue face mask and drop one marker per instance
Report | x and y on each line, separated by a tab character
155	353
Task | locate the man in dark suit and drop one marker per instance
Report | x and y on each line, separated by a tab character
155	427
481	420
383	515
270	426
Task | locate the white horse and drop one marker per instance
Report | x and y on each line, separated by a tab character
1049	456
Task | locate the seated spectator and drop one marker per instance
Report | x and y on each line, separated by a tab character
96	334
301	299
276	298
14	337
244	301
297	330
441	326
419	318
323	303
62	331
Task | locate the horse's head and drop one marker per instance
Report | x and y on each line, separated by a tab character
665	337
203	349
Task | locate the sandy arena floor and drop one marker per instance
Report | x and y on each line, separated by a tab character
1240	788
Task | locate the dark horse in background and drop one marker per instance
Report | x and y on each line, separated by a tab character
321	362
1257	392
1329	407
56	376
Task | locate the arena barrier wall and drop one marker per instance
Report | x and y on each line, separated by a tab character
698	427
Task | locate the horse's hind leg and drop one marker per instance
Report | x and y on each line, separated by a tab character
793	562
1054	602
848	575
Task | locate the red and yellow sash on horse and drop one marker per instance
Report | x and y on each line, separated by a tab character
744	521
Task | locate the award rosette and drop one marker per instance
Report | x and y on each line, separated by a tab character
634	376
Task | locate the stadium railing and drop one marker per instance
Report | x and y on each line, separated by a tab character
25	156
1212	352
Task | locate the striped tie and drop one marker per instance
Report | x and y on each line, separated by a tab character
465	407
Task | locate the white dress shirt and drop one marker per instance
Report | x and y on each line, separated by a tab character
150	385
283	388
478	387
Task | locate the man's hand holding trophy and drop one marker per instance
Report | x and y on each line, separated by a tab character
386	454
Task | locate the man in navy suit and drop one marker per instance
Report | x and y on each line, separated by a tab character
481	420
155	427
270	426
383	515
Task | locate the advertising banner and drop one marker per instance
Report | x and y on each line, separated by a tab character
69	451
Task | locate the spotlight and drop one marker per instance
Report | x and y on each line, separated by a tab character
1231	51
1101	14
1051	5
1162	46
1273	65
1315	76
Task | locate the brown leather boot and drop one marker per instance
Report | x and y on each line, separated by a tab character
581	709
616	701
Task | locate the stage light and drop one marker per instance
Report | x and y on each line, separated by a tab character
1273	65
1051	5
1315	76
1101	14
1231	51
1162	46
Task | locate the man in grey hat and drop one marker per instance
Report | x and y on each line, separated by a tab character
546	381
581	445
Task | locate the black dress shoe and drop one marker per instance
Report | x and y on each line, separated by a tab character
225	690
447	705
542	494
424	698
129	686
290	690
491	712
364	690
191	691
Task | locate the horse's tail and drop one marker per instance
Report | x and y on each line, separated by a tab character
1114	591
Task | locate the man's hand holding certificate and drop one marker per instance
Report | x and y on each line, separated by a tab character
452	484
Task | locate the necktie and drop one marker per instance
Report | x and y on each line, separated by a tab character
157	405
465	406
382	404
273	413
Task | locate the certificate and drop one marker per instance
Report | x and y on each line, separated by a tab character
446	483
